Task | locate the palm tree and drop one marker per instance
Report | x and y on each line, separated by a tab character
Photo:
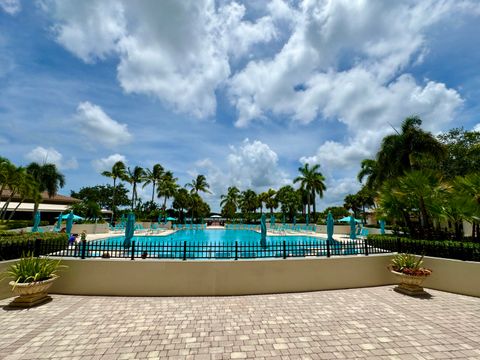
248	201
47	177
311	181
153	177
289	199
370	171
270	199
199	184
181	201
27	189
407	150
134	177
468	188
231	200
167	187
118	172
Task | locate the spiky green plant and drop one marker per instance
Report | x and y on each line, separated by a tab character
31	269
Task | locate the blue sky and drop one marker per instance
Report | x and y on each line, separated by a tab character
242	92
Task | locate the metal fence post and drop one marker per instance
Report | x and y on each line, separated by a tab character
132	257
236	250
284	249
366	247
84	248
328	248
36	247
185	250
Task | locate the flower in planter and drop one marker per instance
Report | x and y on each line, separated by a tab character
408	264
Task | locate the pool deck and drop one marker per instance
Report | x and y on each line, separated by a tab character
367	323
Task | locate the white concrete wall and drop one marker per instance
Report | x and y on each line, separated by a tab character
90	228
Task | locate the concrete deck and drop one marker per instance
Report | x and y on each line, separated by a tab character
368	323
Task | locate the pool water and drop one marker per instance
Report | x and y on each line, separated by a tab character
211	244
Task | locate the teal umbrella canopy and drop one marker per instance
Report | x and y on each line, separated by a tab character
36	221
129	230
69	223
272	220
382	227
307	219
353	224
75	217
294	220
159	220
329	227
171	218
263	228
347	219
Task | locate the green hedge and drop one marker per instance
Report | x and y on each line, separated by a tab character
18	224
13	245
444	249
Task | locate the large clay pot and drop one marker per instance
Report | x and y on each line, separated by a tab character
409	284
31	294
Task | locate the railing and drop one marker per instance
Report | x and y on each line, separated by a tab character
203	250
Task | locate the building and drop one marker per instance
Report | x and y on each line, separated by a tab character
50	208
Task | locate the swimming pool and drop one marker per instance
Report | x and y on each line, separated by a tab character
215	244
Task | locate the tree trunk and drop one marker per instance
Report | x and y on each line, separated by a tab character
5	207
113	200
408	223
314	207
424	223
133	194
14	210
153	191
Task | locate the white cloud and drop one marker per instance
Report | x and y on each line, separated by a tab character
11	7
106	163
98	127
175	50
476	127
50	155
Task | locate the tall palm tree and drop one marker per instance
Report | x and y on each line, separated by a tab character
27	189
153	177
231	200
311	181
199	184
369	170
248	201
118	172
134	176
48	178
167	187
271	201
407	150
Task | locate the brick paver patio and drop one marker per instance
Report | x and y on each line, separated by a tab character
342	324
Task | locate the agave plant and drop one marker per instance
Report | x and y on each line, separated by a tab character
409	264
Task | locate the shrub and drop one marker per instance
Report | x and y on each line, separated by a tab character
409	264
18	224
13	245
444	249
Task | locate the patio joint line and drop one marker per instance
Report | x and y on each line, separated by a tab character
44	325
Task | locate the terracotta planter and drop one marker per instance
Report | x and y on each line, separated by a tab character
409	284
31	294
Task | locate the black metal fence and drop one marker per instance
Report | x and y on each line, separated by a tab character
281	248
186	250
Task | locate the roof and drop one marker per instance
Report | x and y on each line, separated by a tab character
57	199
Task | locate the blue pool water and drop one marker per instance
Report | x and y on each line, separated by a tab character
215	244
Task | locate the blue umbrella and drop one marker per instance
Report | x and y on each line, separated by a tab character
294	220
263	227
159	220
382	227
307	218
69	223
59	222
171	218
272	220
75	217
353	224
129	229
330	227
36	221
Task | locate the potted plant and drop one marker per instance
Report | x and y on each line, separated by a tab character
408	270
32	277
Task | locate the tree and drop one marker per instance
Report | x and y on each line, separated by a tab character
199	184
337	213
468	188
153	177
270	200
118	172
248	202
134	176
462	153
369	170
47	177
411	149
311	181
167	187
103	195
352	202
232	197
289	199
181	201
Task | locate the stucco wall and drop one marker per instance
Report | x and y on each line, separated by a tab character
5	289
461	277
90	228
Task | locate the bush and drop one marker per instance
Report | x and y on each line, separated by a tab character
444	249
18	224
14	245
